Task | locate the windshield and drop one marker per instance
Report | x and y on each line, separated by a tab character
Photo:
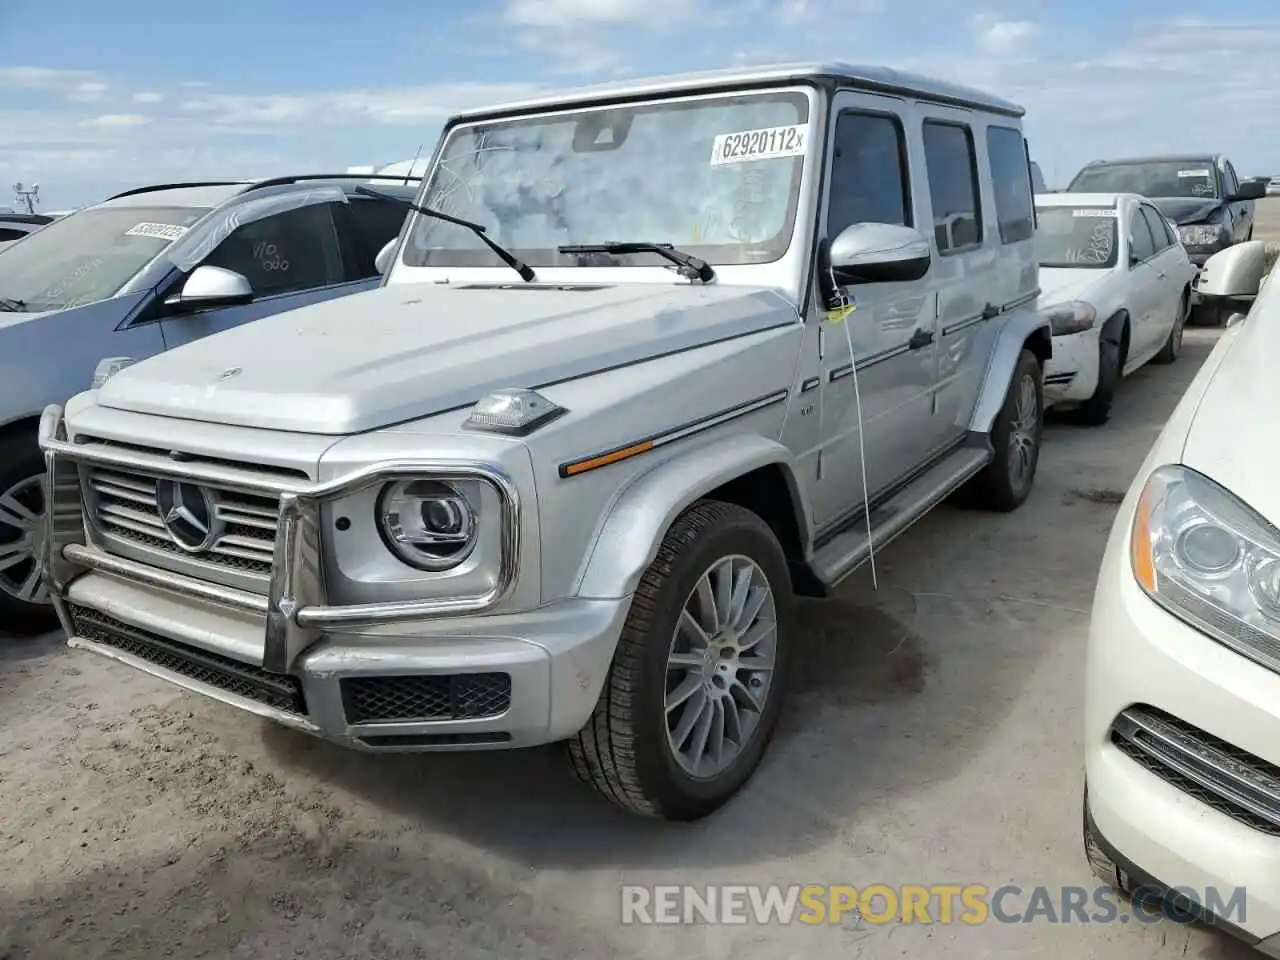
718	178
1164	178
88	256
1077	237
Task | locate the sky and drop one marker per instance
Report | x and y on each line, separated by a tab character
97	97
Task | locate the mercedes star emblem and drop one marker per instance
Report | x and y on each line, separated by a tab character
189	514
229	373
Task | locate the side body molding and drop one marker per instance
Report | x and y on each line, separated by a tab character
627	541
1018	326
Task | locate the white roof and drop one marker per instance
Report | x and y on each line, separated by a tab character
871	78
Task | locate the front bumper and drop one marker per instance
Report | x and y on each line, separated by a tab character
1178	794
419	675
1071	375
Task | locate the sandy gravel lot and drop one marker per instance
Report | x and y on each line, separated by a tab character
933	736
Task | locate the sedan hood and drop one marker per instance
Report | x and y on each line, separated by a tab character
1061	284
1185	210
1232	438
407	351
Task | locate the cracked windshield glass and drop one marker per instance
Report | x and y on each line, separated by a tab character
716	177
88	256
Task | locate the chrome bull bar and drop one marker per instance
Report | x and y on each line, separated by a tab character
295	608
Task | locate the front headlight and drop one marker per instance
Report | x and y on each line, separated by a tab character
1210	560
430	524
1072	317
1201	234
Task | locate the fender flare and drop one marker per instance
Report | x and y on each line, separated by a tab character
628	538
1019	327
1113	326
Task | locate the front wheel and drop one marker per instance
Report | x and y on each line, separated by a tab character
24	601
1173	345
1006	481
697	682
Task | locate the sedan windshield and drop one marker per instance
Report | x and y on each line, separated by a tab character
1076	237
89	255
1164	178
717	178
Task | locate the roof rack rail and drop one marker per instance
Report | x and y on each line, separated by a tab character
284	181
178	186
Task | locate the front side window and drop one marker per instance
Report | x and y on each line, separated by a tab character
717	177
1160	178
953	186
90	255
1142	245
285	253
1080	237
868	172
1158	227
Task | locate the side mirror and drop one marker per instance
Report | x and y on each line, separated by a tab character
1249	190
1235	273
382	262
210	286
879	253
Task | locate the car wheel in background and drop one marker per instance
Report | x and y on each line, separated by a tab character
24	603
1173	345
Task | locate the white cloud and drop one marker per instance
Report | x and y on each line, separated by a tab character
997	36
567	13
117	120
87	92
42	78
148	96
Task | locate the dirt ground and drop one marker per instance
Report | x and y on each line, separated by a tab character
933	736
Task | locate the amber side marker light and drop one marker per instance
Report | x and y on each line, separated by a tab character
582	466
1144	569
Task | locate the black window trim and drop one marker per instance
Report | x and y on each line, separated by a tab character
904	158
967	130
1035	216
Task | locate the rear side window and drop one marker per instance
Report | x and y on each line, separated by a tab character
7	234
1011	180
953	186
868	172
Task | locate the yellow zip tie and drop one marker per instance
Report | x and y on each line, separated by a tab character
838	315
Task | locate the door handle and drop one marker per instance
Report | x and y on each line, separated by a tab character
990	312
1162	274
920	339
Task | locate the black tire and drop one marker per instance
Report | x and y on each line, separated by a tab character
996	488
1097	409
1173	343
1210	315
20	463
623	751
1102	866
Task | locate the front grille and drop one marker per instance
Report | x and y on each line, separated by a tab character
408	699
243	679
124	503
1238	784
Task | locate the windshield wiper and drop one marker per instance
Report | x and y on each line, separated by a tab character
10	305
690	266
519	266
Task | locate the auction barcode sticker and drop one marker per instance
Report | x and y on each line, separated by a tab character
1193	173
765	144
1094	212
160	231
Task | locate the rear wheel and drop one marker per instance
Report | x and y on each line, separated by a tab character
1173	345
1006	481
24	602
697	682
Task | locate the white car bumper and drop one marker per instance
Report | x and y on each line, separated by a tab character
1163	802
1071	375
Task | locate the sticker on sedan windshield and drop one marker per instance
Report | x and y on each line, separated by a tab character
1094	212
1193	173
158	231
768	143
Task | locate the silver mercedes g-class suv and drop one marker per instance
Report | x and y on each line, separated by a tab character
647	361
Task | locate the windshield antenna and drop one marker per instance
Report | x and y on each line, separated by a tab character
412	163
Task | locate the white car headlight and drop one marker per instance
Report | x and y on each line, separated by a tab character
1210	560
430	524
1071	317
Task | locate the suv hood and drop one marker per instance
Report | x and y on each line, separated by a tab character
1232	437
407	351
1185	210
